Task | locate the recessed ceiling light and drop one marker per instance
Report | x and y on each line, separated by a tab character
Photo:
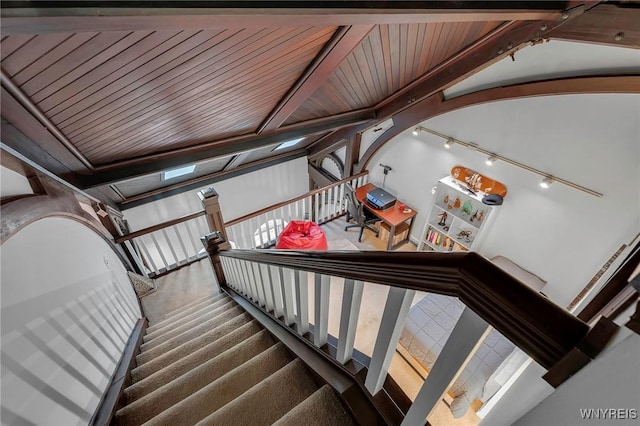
181	171
288	144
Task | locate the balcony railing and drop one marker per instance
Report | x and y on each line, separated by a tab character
282	283
260	229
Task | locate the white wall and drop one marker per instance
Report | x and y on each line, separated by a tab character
611	381
553	59
560	234
12	183
238	196
67	311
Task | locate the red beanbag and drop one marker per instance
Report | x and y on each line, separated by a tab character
301	235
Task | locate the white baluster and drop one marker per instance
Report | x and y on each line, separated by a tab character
253	273
148	257
243	243
266	286
351	301
195	242
137	257
289	206
181	242
465	338
287	291
155	242
240	284
395	313
321	311
302	301
249	281
173	252
276	290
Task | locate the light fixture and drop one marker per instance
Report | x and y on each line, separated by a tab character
415	131
492	159
181	171
546	182
448	143
288	144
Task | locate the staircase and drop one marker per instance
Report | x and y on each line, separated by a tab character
210	363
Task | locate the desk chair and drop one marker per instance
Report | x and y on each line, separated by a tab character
356	211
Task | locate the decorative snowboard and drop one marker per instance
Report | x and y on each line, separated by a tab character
477	182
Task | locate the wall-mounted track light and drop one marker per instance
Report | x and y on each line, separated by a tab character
546	182
493	157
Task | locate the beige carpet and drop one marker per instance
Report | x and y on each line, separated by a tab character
209	362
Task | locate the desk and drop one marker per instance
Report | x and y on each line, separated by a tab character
393	216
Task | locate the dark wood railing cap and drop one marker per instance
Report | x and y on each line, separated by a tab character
542	329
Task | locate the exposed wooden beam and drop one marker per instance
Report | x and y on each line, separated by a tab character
435	105
494	46
329	143
19	101
352	155
154	163
199	182
21	131
617	25
334	52
47	18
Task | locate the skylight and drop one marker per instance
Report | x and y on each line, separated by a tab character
181	171
288	144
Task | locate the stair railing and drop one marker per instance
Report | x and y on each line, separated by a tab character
169	245
164	247
261	228
276	282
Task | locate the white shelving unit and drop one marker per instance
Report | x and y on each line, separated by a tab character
457	221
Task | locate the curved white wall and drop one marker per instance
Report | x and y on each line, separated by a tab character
68	309
560	234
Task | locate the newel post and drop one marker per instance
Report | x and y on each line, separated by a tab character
209	199
213	243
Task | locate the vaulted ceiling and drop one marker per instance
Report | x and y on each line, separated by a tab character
109	98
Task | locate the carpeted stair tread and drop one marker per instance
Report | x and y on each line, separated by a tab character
220	330
225	389
169	318
212	295
193	360
190	304
180	321
267	401
186	336
175	391
188	325
323	408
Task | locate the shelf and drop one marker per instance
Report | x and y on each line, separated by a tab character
465	217
434	247
447	237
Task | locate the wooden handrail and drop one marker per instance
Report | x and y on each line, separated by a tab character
542	329
159	226
293	200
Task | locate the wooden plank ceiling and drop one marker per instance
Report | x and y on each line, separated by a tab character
391	57
117	95
152	91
